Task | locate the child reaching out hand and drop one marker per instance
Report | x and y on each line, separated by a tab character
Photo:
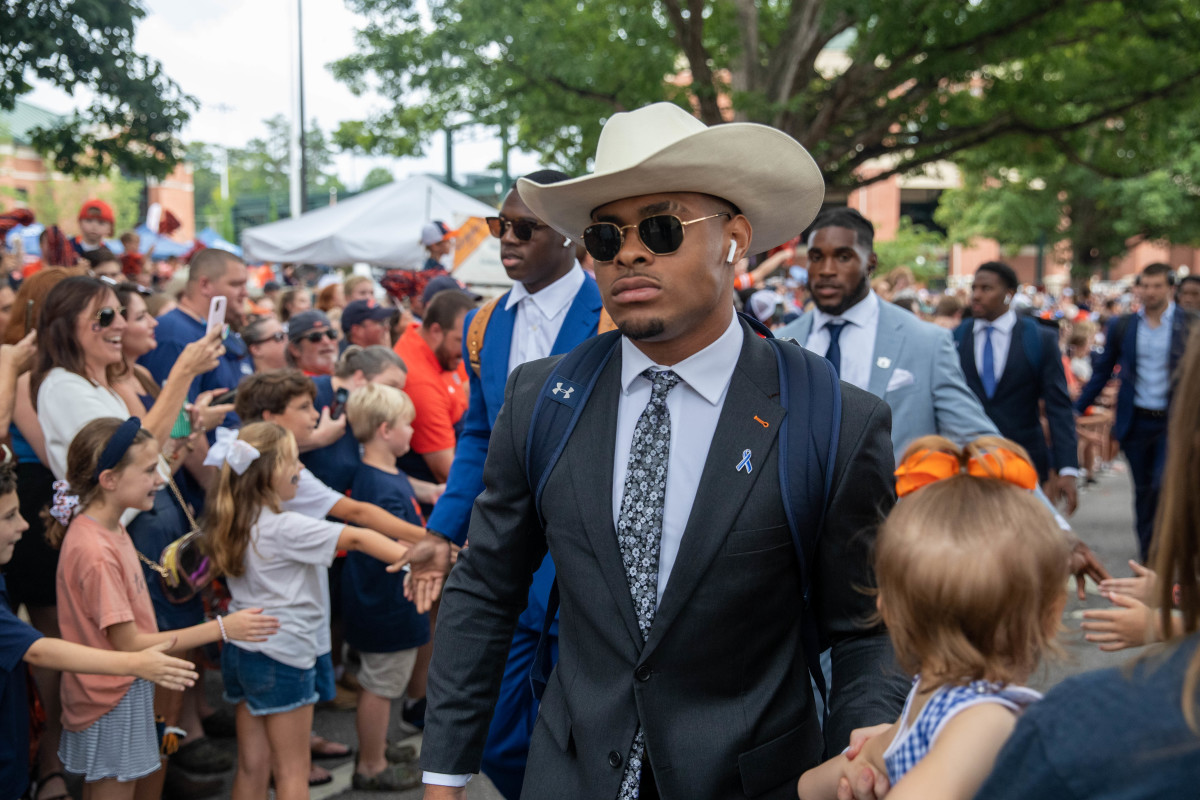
108	722
278	560
971	572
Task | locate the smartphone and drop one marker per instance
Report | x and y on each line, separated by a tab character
183	425
216	314
227	397
28	317
339	403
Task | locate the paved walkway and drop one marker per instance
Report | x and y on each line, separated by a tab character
1104	521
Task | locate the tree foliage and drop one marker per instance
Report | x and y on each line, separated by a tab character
378	176
1133	180
871	87
262	167
921	250
136	112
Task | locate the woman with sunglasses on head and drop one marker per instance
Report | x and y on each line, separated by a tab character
266	339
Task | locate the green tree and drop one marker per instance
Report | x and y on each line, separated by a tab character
1136	181
872	88
922	251
378	176
136	112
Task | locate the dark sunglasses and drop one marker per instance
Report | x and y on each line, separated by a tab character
278	336
315	336
108	315
522	228
662	235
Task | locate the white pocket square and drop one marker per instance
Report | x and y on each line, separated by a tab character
900	378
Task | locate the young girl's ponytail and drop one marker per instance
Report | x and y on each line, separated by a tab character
244	487
102	444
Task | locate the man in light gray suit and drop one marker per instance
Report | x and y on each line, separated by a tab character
681	670
877	346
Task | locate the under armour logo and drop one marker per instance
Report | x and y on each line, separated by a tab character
566	393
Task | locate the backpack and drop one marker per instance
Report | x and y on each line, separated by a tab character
808	388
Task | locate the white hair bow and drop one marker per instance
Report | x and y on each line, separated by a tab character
229	449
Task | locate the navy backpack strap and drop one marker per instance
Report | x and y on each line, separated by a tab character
808	443
555	414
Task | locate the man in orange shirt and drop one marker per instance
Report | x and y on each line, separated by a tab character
432	351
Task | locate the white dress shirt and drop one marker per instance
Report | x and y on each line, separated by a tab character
857	340
540	316
1002	329
695	405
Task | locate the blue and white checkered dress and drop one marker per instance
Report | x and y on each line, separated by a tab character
915	739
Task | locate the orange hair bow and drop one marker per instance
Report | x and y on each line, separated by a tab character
929	466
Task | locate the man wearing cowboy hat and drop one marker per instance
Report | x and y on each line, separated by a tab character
681	673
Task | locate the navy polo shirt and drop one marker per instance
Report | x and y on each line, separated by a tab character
336	463
15	640
176	330
376	615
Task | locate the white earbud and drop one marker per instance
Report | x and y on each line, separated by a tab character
732	250
566	241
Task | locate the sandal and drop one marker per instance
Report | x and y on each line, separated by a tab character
396	778
41	784
319	776
324	749
400	753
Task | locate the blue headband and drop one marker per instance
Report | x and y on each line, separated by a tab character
117	446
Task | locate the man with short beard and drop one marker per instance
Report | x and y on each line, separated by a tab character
432	351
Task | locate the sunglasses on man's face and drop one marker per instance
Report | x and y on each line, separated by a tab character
108	315
315	336
522	228
662	235
277	336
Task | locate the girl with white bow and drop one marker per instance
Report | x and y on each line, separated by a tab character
278	560
109	731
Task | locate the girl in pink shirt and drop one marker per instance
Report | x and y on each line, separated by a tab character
108	721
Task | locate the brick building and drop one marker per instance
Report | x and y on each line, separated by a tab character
27	180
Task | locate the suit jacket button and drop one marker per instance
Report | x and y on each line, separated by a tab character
614	759
642	673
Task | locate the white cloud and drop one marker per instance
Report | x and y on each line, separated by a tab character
235	57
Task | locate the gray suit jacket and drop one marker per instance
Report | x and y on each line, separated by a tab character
937	399
720	687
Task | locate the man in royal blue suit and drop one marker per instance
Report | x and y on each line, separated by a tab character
1147	346
1011	363
553	306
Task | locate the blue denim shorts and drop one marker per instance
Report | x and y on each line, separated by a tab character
271	687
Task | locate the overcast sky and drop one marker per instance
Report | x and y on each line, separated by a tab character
235	57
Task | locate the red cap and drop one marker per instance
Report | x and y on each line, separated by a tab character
97	208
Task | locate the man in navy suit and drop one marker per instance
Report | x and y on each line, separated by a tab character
552	307
1011	363
1147	346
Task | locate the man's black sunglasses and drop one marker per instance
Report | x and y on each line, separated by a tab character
522	228
277	336
662	235
315	336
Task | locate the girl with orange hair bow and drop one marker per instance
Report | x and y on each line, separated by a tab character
971	569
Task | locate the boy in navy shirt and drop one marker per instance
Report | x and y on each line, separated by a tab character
21	644
378	621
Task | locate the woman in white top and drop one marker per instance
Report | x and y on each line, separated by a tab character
79	349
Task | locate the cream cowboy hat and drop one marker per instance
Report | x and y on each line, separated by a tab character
662	148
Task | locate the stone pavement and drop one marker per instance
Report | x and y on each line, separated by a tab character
1104	520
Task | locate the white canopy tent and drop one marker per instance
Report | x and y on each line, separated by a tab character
382	227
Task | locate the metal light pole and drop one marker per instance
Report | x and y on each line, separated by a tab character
303	142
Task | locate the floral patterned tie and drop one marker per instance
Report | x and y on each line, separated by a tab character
639	530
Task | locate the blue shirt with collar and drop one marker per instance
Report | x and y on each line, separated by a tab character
1152	387
176	330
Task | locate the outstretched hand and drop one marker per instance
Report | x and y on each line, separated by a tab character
861	781
154	665
1084	565
429	561
1140	587
1131	624
249	625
